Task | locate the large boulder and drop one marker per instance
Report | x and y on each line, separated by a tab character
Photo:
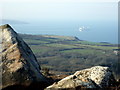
102	76
19	64
95	77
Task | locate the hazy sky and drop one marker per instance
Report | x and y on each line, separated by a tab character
64	16
35	10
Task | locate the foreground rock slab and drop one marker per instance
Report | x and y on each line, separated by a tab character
95	77
19	64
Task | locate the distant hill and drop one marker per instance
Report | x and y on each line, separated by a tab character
65	54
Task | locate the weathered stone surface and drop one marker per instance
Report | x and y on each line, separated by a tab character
102	76
19	64
95	77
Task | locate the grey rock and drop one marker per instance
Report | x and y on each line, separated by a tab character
102	76
95	77
18	63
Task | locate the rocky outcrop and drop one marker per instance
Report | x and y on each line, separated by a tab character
95	77
19	64
102	76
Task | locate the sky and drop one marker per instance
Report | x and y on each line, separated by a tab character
101	15
59	0
35	10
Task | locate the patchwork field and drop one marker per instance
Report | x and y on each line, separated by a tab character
65	54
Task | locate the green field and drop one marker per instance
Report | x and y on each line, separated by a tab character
69	54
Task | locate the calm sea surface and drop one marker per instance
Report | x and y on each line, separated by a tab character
92	31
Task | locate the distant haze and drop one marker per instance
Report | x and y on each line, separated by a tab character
60	17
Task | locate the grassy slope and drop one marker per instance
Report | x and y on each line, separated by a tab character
68	54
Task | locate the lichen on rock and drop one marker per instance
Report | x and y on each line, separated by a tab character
95	77
19	64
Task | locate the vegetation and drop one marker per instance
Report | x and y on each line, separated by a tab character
63	54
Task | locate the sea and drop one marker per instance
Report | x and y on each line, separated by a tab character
94	31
